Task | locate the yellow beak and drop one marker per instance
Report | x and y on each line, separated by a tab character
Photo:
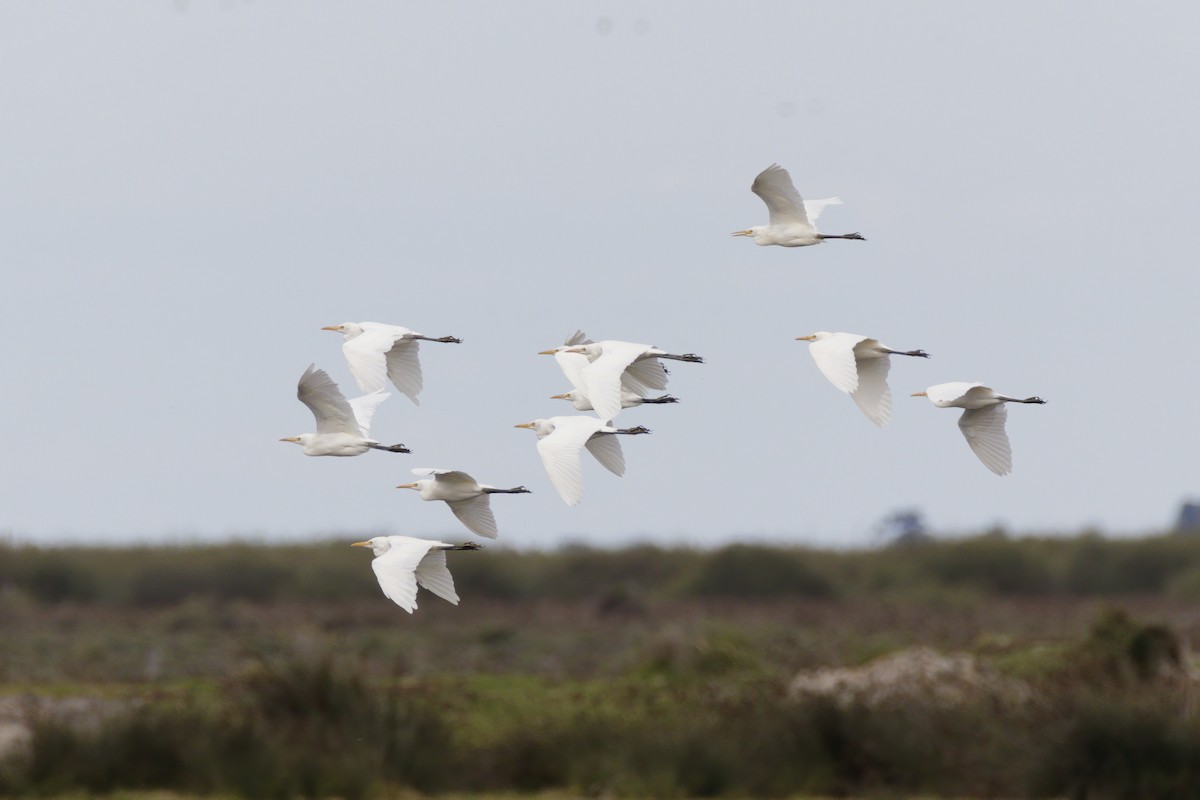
919	394
295	439
361	544
524	425
809	338
547	352
408	486
742	233
332	328
560	397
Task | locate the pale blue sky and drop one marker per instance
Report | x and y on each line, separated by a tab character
189	191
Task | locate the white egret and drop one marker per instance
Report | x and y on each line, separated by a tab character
467	499
580	401
402	562
859	366
342	425
982	423
639	378
619	365
377	353
791	218
560	440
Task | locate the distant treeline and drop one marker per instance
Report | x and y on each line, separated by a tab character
989	565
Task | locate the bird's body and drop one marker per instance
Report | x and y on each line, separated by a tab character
468	499
858	365
403	562
342	425
982	421
377	353
560	440
581	402
792	219
616	366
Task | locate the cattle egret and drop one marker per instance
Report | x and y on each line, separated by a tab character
983	420
791	218
859	366
342	425
638	379
402	562
560	440
377	353
467	499
615	366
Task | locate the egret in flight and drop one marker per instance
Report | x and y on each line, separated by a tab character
580	402
342	425
378	353
560	440
638	379
467	499
791	218
983	420
859	366
403	562
616	365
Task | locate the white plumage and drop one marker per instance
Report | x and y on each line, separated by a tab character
467	498
403	562
378	353
560	442
616	366
982	421
342	425
792	219
858	365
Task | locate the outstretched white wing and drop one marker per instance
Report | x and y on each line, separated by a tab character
450	478
873	395
560	454
572	365
644	376
404	368
475	513
366	354
433	574
364	409
329	407
602	377
774	185
984	429
835	358
814	207
607	450
396	570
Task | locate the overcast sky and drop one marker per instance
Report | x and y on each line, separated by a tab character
190	190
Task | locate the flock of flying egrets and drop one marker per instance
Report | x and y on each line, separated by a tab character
607	377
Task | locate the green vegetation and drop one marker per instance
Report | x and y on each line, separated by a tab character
641	672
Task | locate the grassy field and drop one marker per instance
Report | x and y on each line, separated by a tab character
743	672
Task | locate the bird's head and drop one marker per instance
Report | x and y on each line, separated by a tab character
751	232
378	544
302	440
347	329
541	427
